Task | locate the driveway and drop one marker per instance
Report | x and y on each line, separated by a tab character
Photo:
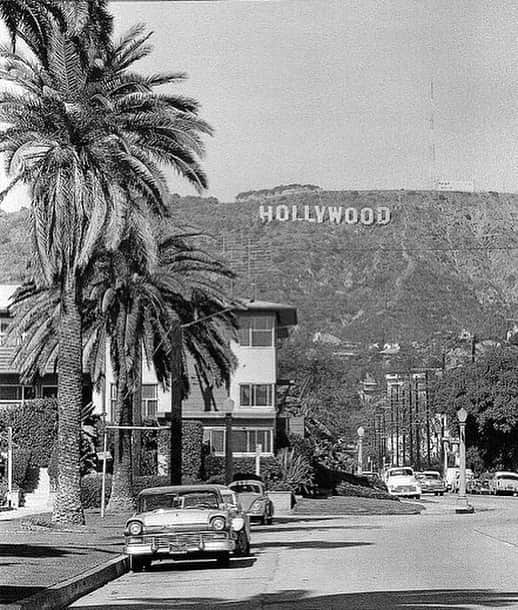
434	560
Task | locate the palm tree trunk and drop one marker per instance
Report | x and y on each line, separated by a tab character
67	507
121	498
175	449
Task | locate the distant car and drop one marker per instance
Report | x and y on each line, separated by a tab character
503	482
431	482
401	482
252	496
186	522
453	478
477	486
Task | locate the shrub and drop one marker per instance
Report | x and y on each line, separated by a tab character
34	427
296	471
21	461
345	488
192	438
91	487
214	468
155	480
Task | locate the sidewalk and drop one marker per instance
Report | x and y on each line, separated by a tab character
33	557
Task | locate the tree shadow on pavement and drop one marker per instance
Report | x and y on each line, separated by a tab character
13	593
316	527
446	599
37	550
307	544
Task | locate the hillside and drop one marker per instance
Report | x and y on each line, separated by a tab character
445	261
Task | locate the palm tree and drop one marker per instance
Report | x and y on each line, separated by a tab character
138	304
134	302
89	141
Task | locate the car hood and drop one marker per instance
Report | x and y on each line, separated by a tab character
177	518
248	498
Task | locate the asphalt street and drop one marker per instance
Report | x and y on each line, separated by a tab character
438	559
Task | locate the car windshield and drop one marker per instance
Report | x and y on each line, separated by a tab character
508	475
431	475
247	488
179	500
400	472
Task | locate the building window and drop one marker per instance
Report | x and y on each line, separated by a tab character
4	326
256	331
256	395
49	391
244	440
16	392
214	439
149	400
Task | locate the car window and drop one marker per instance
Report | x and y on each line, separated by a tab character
508	476
400	472
247	488
431	475
183	500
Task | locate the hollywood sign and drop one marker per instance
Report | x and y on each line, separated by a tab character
323	213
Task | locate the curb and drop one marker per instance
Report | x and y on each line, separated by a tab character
64	593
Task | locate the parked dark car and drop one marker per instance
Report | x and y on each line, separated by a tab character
477	486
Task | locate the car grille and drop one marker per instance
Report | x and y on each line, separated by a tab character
404	488
163	541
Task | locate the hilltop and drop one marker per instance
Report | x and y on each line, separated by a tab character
444	262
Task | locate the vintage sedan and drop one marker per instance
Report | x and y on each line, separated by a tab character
253	499
401	482
431	482
186	522
503	482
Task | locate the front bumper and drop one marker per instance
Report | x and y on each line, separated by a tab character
405	492
180	545
439	489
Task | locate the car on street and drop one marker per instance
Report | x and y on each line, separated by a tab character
503	482
252	495
431	482
186	522
478	486
401	482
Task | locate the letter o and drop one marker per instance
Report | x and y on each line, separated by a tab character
383	215
351	216
367	216
282	212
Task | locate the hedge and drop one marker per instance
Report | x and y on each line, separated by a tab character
363	491
34	428
192	447
214	468
91	487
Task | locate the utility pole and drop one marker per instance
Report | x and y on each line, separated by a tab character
427	399
175	434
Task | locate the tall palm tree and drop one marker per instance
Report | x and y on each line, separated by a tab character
89	140
137	304
133	303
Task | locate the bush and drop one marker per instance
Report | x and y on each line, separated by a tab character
296	471
34	428
91	487
362	491
192	439
214	468
155	480
21	461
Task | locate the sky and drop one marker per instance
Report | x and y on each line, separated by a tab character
338	93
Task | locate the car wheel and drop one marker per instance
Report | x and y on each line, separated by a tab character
139	564
242	545
269	520
223	560
442	493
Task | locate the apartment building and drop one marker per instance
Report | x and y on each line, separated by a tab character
252	387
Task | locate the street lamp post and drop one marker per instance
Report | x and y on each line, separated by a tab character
361	432
229	407
464	506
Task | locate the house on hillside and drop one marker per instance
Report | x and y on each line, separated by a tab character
252	387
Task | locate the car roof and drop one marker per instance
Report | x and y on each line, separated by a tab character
182	488
430	472
246	481
506	472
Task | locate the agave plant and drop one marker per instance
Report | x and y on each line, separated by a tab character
296	471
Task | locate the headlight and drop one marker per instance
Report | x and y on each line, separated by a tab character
258	505
135	528
218	523
238	523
